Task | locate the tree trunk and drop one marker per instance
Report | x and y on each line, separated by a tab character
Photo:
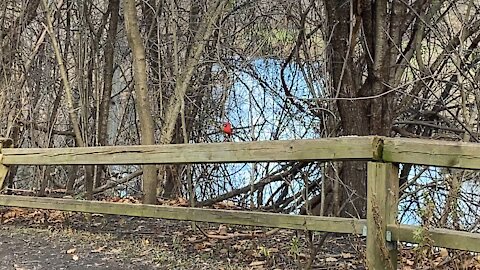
359	115
353	113
113	8
142	99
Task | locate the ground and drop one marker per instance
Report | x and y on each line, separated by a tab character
40	239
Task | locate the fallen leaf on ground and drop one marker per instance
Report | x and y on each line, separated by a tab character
443	252
116	250
97	250
257	263
330	259
222	230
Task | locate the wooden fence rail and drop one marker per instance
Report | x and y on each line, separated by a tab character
381	226
263	219
346	148
429	152
440	237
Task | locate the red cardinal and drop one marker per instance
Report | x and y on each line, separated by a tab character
227	129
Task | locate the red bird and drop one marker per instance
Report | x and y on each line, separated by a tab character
227	129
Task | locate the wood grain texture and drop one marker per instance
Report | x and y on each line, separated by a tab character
382	204
441	237
432	152
3	173
343	148
314	223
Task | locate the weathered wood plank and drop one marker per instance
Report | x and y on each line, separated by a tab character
382	204
3	173
4	143
343	148
432	152
441	237
314	223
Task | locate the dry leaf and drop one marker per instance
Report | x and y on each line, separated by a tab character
330	259
72	250
192	239
182	202
97	250
443	252
116	250
56	217
222	230
410	262
257	263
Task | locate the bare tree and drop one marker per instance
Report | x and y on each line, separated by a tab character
142	97
278	69
104	110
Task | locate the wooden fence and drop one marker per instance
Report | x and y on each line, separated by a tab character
383	154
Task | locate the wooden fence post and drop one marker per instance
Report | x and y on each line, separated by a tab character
4	143
382	205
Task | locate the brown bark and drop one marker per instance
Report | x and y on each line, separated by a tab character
353	113
142	99
113	8
360	116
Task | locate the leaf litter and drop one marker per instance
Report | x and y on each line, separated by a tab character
116	242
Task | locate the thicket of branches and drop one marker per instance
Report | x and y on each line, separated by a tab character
89	73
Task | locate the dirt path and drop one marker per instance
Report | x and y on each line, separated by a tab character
27	248
41	239
32	239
